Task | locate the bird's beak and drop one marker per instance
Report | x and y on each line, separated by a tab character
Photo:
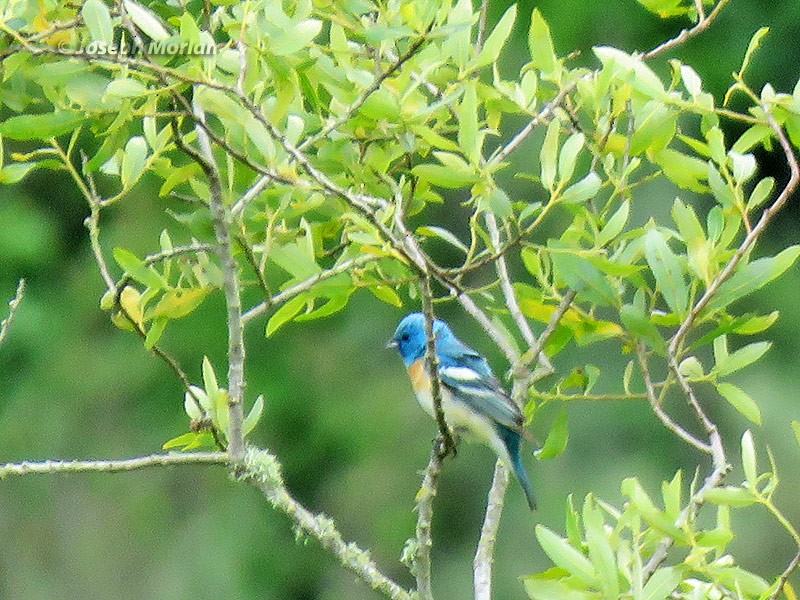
390	344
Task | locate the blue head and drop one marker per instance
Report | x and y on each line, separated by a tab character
409	337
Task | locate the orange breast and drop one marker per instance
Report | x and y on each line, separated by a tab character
419	376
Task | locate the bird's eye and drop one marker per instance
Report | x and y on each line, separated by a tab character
404	337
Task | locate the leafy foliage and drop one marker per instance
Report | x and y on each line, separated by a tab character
335	129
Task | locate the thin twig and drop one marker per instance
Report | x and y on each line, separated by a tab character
751	238
505	284
262	469
432	366
306	285
542	116
536	352
720	468
659	411
13	305
425	496
368	91
497	336
51	467
702	24
785	577
221	219
484	14
484	554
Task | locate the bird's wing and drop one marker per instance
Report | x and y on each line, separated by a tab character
470	380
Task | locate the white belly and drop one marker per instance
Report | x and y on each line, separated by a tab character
460	418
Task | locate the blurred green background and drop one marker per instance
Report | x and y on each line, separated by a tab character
339	412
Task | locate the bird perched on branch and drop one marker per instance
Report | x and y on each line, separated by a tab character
472	397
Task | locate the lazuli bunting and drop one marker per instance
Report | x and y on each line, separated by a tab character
472	398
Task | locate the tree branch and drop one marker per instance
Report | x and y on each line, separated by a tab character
306	285
659	411
262	469
785	577
371	89
221	220
52	467
703	23
13	305
484	554
751	238
425	496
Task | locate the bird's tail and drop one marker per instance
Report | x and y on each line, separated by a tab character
512	440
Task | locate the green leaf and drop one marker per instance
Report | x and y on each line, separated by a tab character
540	588
641	76
540	44
532	262
757	324
332	306
582	276
719	188
136	268
694	237
749	463
285	314
736	497
386	294
661	583
294	39
146	20
557	438
741	401
41	127
295	260
155	332
751	277
600	551
736	578
569	156
468	123
125	87
497	39
565	556
178	303
252	418
743	357
548	155
498	202
687	172
583	190
615	224
760	193
667	271
671	493
446	235
209	378
134	160
754	44
665	8
222	105
453	174
796	430
646	508
636	322
190	441
691	368
16	172
98	21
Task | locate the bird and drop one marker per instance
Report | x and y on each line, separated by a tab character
473	400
